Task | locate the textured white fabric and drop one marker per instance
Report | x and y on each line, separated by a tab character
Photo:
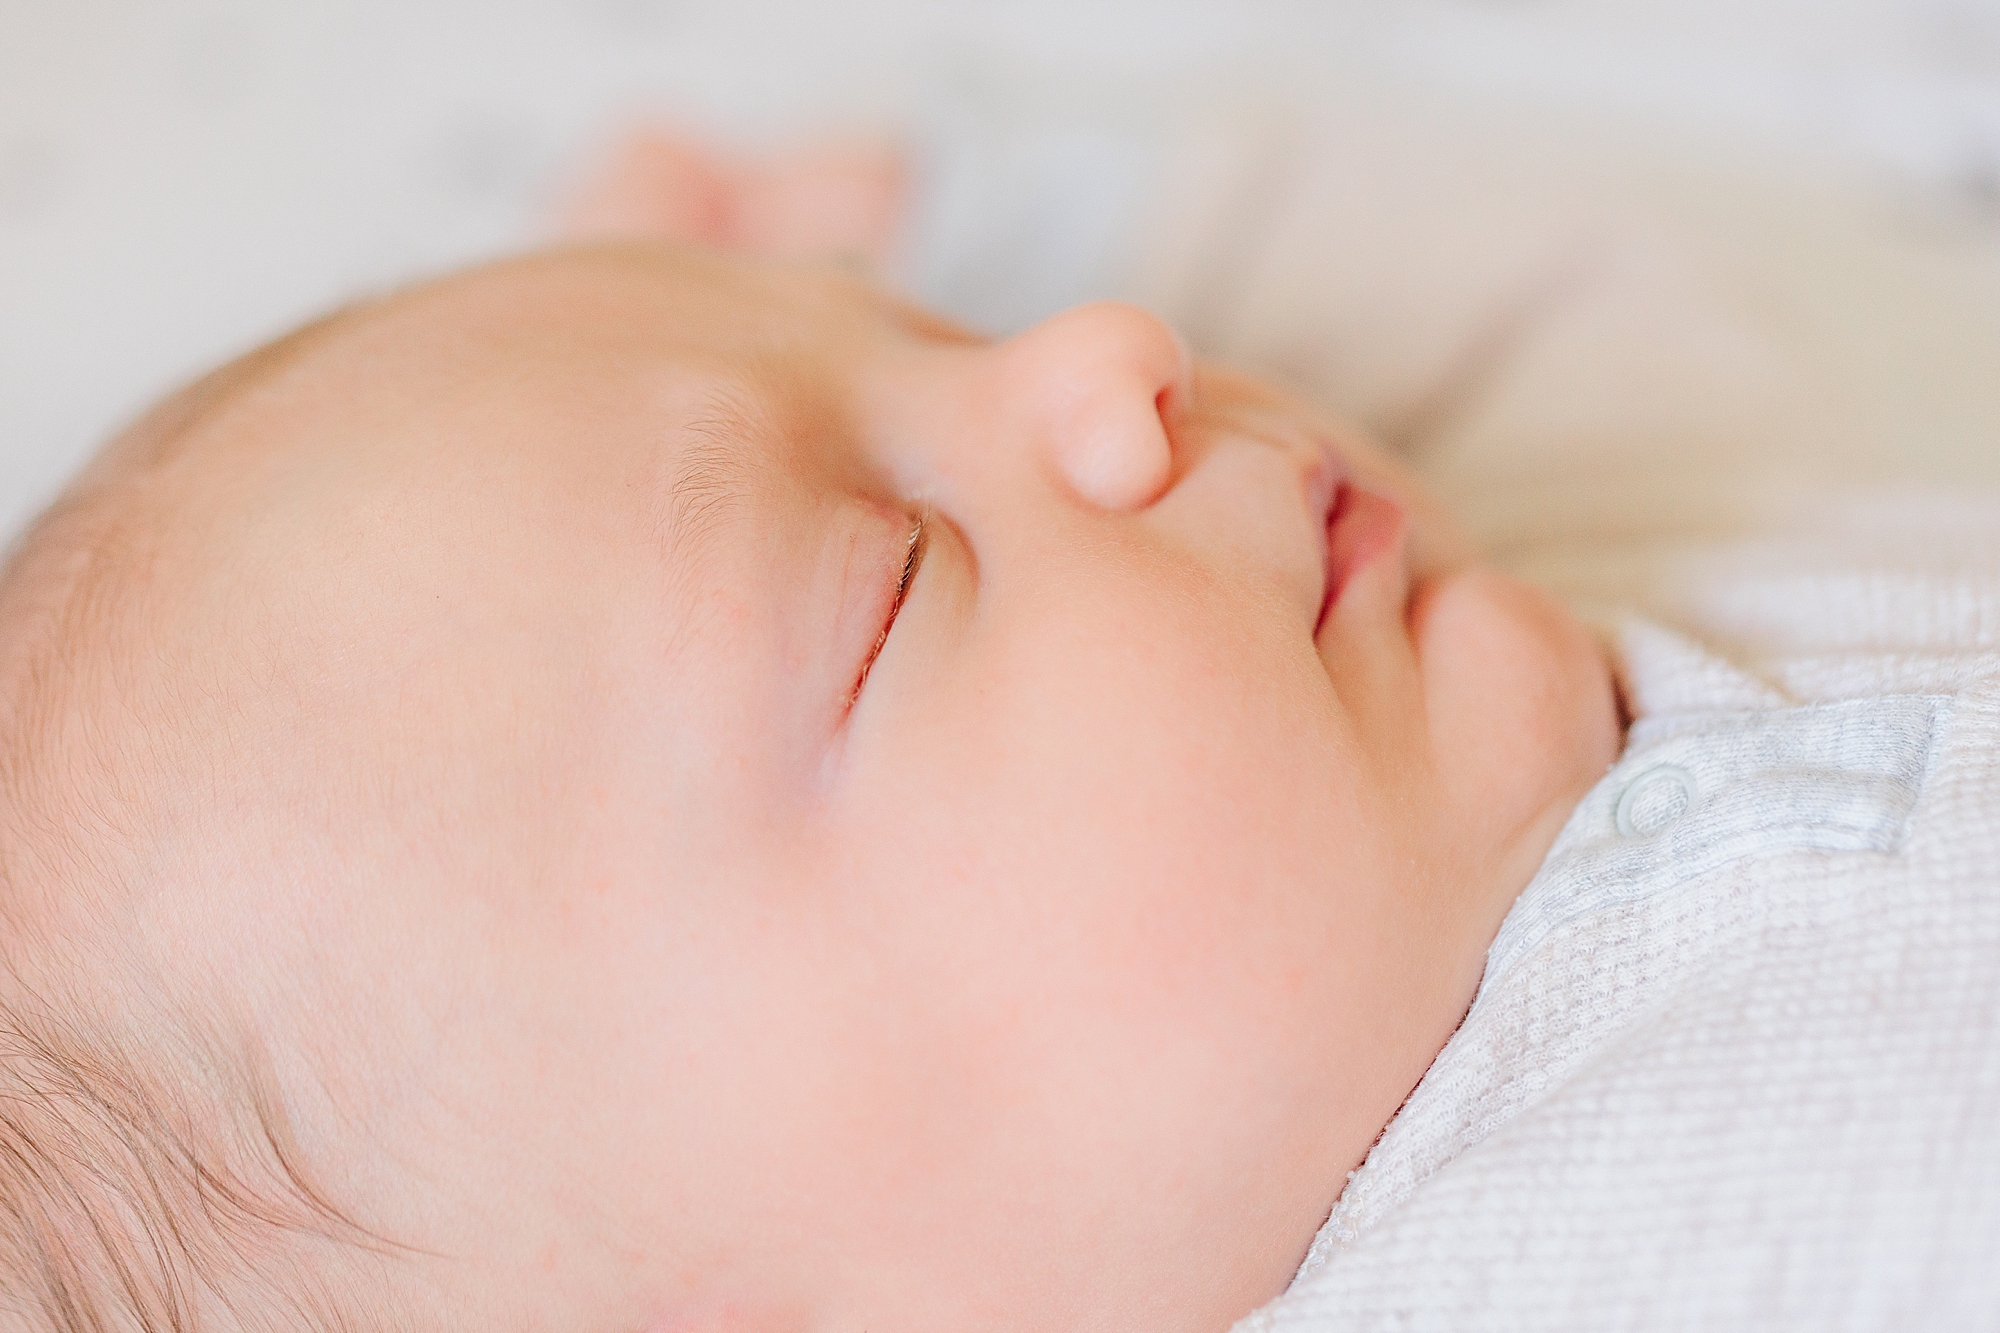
1695	792
1763	1095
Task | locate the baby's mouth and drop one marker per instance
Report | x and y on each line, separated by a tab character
1361	527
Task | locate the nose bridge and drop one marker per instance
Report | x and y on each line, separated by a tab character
1092	396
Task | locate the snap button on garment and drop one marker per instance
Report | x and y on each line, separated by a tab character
1654	800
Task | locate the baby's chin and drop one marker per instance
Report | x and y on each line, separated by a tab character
1522	714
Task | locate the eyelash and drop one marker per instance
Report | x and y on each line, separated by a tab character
913	556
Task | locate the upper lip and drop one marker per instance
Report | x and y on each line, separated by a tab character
1326	484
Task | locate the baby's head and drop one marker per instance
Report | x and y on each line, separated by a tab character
626	791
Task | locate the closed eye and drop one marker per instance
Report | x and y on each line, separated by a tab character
913	558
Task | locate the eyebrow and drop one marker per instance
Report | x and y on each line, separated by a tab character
712	472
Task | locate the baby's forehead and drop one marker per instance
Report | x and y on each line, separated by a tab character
570	347
572	411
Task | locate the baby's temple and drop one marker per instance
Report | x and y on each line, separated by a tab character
1117	701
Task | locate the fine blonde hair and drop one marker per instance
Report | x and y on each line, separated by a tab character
149	1174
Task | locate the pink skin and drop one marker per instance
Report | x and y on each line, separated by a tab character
637	967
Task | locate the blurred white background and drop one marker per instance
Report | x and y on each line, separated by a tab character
180	179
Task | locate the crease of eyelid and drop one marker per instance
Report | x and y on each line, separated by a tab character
914	549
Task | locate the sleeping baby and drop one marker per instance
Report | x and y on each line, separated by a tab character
641	790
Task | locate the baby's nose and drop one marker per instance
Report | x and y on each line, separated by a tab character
1103	385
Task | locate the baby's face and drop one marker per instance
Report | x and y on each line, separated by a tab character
795	814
